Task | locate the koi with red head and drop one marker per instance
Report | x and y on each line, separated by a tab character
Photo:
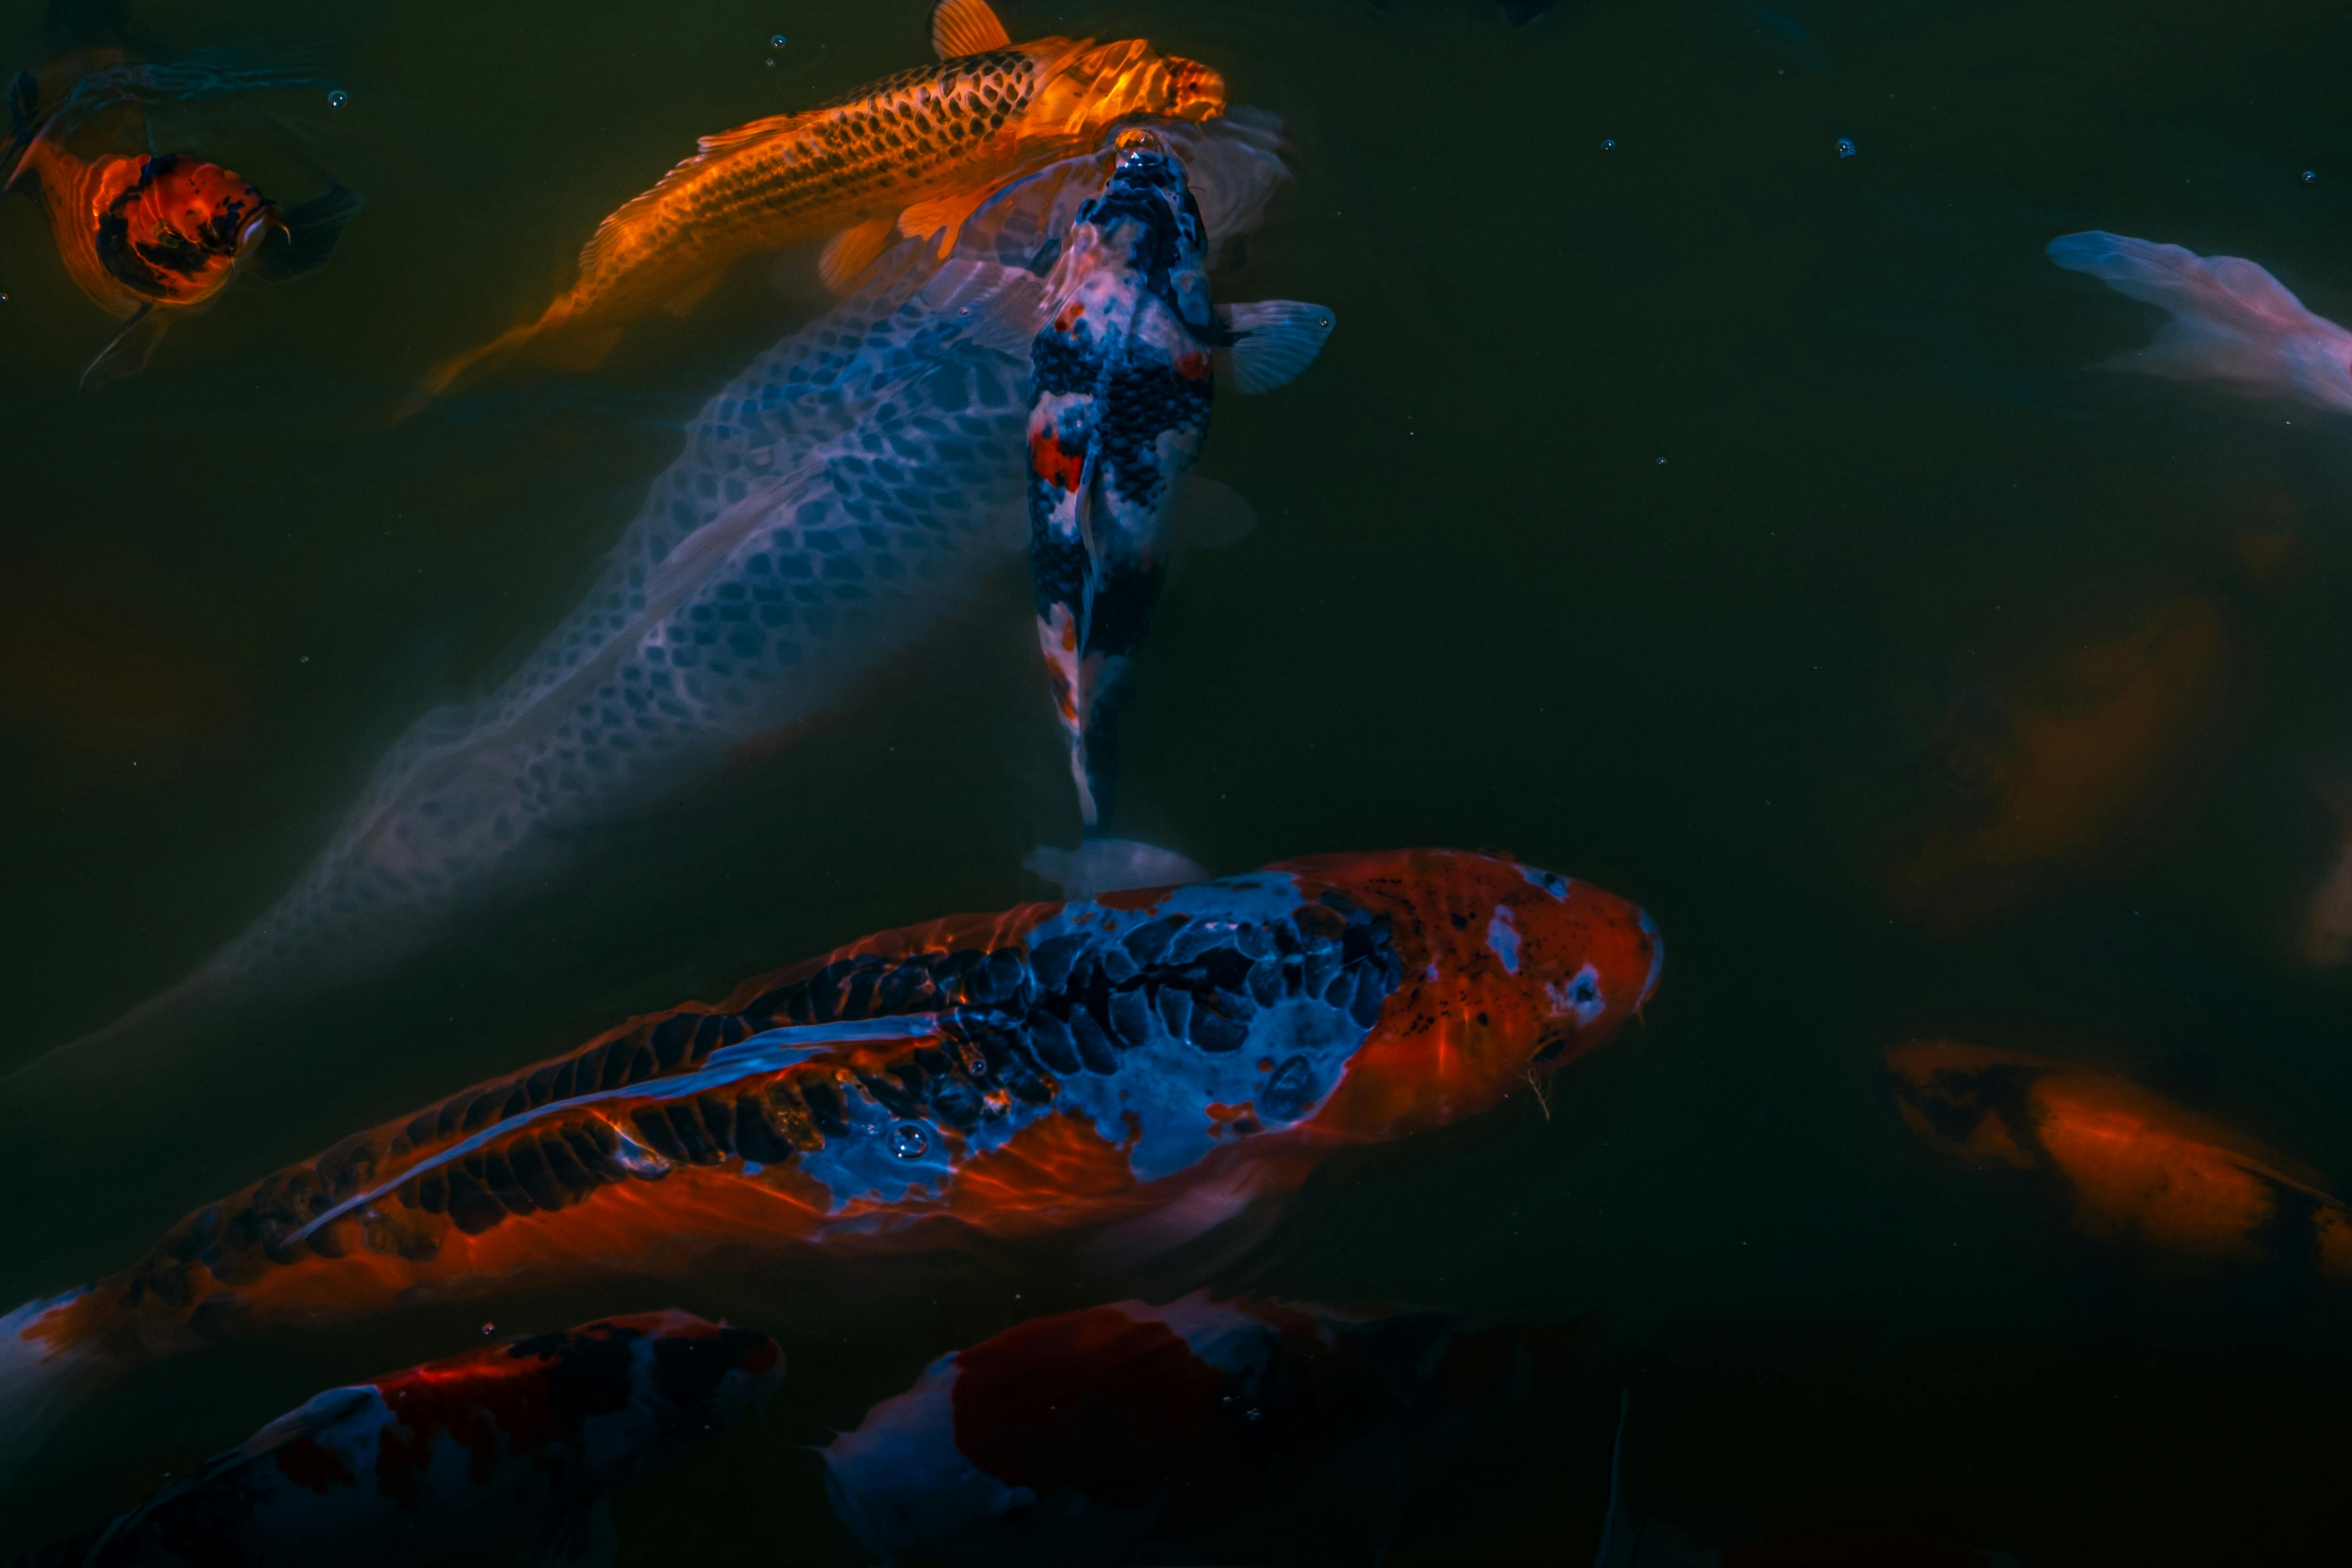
143	235
508	1445
1152	1061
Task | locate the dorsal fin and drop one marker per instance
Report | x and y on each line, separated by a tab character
961	28
636	206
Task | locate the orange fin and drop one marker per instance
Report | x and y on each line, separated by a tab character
682	303
945	211
961	28
850	252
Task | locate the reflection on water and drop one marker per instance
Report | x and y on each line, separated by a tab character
1713	489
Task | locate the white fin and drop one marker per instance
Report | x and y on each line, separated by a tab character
961	28
127	353
1187	1217
851	252
582	1536
1110	866
322	1412
1009	321
682	303
35	1379
1274	339
1211	516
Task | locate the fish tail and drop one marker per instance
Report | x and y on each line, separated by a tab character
547	341
50	1352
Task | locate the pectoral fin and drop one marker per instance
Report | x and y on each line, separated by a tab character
1272	341
682	303
1209	516
126	353
961	28
943	214
851	252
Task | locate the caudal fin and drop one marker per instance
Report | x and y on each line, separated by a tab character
549	342
50	1352
2231	320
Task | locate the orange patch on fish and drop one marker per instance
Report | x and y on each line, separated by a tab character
1058	466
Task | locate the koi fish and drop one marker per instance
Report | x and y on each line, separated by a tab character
2135	1165
520	1445
2074	771
1120	392
914	153
1150	1063
1094	1436
834	502
2231	320
144	236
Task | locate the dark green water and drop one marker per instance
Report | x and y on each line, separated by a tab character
1708	515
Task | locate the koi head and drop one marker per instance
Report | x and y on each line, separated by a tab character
175	231
1508	972
1111	81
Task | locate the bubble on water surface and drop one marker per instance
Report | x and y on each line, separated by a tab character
1845	147
908	1141
777	42
1609	144
337	97
2309	175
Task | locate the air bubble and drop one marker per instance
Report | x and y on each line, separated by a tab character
488	1329
908	1141
1845	147
337	97
2309	175
777	42
1609	144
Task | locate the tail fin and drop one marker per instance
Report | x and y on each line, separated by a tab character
551	343
49	1351
309	236
2231	320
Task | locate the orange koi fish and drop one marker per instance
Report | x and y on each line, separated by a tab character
147	236
2084	761
1160	1059
519	1445
914	153
2137	1165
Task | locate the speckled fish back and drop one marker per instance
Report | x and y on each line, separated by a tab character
859	157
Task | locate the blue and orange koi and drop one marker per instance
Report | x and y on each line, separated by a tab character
1121	393
1158	1059
1121	1433
517	1446
149	236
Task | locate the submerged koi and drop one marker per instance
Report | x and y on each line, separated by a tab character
1119	401
148	237
1121	1433
2135	1164
914	153
519	1445
1157	1058
833	502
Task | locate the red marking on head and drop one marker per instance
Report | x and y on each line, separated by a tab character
1463	1028
308	1465
1050	461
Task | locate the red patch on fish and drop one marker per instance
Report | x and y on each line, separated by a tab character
474	1398
1053	463
1075	1400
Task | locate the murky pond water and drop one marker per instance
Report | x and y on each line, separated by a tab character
1710	490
